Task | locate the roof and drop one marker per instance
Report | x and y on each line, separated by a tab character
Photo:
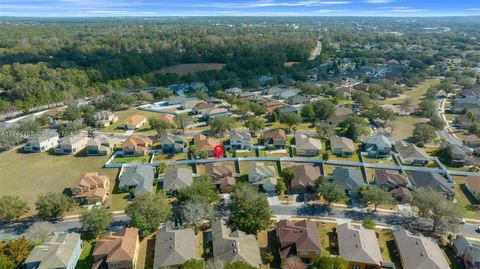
174	247
417	251
305	175
203	143
275	134
357	244
410	151
140	176
135	141
344	143
402	194
135	119
177	178
56	252
432	180
101	139
240	133
234	246
474	182
297	236
266	174
463	245
221	174
42	137
390	178
71	140
91	179
116	247
103	115
167	117
378	140
302	141
350	179
169	138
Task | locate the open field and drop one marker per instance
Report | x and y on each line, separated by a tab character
29	175
403	126
465	199
124	114
415	94
183	69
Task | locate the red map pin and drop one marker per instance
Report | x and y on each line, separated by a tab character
218	150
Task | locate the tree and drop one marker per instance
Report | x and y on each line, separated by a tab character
221	124
308	112
427	108
330	191
287	175
329	262
72	114
249	210
14	252
203	155
182	121
424	133
293	262
258	108
43	120
435	206
323	109
354	127
324	130
148	211
444	154
197	210
12	207
159	125
202	95
243	108
239	265
40	231
281	188
376	195
29	127
290	119
368	223
255	124
201	187
161	93
96	220
53	205
192	264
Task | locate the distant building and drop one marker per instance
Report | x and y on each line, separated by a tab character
136	146
171	143
240	138
104	118
100	145
71	144
275	139
133	122
377	146
410	154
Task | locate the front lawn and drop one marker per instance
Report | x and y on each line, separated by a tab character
131	159
85	261
267	242
386	241
465	200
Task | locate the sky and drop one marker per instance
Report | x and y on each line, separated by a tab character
120	8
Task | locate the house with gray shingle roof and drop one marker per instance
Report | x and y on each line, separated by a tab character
342	146
262	176
467	251
174	247
377	146
307	146
177	179
234	246
140	177
358	246
410	154
60	251
418	251
434	181
171	143
350	179
240	138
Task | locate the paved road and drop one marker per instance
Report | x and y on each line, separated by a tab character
447	132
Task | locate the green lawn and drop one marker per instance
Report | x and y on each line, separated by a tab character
170	157
325	231
403	126
416	93
131	159
85	261
124	114
464	199
386	241
29	175
354	158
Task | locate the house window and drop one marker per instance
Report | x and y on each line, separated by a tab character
356	266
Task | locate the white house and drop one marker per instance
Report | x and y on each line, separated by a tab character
262	176
240	138
42	142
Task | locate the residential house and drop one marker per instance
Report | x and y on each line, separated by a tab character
434	181
222	176
467	251
307	146
472	183
167	118
234	246
288	109
203	107
60	251
104	118
216	112
345	92
299	239
306	175
460	154
205	144
233	91
171	143
275	138
136	146
390	179
177	179
418	251
240	139
299	100
350	179
358	246
42	142
377	146
262	176
272	105
138	177
174	247
133	122
71	144
410	154
401	194
117	250
100	145
91	188
342	146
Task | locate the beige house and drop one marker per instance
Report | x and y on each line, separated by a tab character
136	146
91	188
133	122
359	246
41	143
205	144
117	250
100	146
104	118
307	146
174	247
71	144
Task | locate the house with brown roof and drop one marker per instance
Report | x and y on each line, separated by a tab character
472	183
91	188
390	179
306	175
272	105
275	138
342	146
136	146
117	250
167	117
359	246
299	239
402	194
222	176
205	144
467	251
133	122
418	251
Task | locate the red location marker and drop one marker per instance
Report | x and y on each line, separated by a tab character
218	150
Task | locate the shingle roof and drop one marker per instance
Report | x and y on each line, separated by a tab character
266	172
117	247
177	178
463	245
300	236
390	178
135	119
474	182
358	244
275	134
302	141
174	247
203	143
410	151
432	180
44	136
378	140
419	251
305	175
71	140
56	252
342	142
221	174
140	176
350	179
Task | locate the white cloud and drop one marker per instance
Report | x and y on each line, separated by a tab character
378	1
407	10
270	3
473	9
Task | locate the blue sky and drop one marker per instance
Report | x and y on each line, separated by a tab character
106	8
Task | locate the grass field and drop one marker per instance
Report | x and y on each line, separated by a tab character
465	199
85	261
403	126
124	114
29	175
183	69
416	93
